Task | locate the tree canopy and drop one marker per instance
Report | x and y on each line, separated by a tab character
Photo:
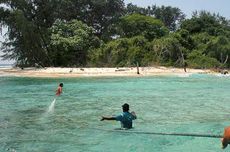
136	24
70	42
108	33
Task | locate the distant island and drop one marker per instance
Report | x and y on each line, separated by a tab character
111	34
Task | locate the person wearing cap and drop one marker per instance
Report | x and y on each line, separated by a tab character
59	89
226	137
126	118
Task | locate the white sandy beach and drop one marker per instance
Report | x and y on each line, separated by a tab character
98	72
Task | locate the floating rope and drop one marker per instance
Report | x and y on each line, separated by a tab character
162	134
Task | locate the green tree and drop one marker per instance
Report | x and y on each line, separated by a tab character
198	60
210	34
122	52
213	46
114	53
170	16
134	9
99	14
28	34
206	22
29	24
169	51
71	42
219	48
147	26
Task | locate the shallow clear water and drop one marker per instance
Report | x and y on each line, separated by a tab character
195	104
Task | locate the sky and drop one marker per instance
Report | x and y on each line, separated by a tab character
186	6
189	6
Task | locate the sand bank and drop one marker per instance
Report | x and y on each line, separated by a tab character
99	72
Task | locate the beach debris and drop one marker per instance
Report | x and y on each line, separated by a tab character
71	70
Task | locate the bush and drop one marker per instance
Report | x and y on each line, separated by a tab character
197	60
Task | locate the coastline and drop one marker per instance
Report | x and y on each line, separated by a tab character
51	72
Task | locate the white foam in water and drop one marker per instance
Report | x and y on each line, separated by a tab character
223	75
51	107
184	75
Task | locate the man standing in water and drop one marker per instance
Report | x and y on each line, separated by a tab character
59	89
126	118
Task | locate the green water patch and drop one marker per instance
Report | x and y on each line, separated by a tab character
195	104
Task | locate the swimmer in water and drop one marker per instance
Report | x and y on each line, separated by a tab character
59	89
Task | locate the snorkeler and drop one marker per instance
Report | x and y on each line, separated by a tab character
59	89
126	118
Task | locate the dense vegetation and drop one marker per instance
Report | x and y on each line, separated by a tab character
108	33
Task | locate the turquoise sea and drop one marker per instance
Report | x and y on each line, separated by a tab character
194	104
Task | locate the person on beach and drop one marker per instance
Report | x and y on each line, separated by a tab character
126	118
226	137
59	89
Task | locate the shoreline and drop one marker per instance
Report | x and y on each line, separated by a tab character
51	72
